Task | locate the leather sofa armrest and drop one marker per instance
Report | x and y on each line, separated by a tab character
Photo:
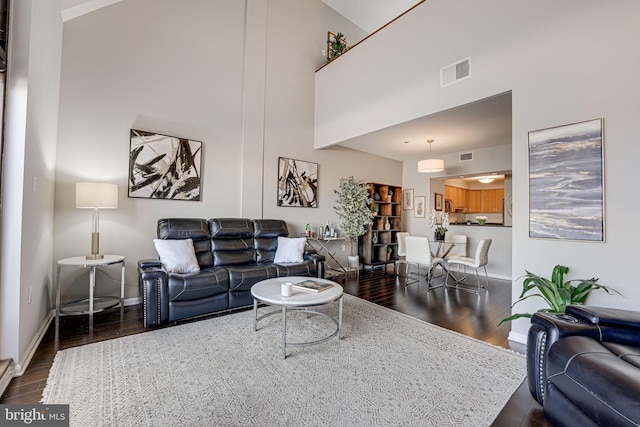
152	281
318	260
546	329
614	325
312	255
149	263
606	316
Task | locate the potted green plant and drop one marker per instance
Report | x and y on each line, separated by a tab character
337	46
353	210
439	221
375	209
557	293
389	251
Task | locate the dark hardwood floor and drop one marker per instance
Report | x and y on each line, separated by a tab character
472	314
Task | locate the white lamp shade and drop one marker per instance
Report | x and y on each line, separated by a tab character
98	195
430	165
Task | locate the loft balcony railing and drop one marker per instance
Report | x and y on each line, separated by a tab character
337	44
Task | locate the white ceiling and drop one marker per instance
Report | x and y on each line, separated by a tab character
485	123
73	8
367	14
482	124
370	14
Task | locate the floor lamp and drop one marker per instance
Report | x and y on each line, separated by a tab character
96	196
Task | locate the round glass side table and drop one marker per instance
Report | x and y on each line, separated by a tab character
92	304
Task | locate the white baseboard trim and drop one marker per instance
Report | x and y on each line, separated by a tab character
131	301
517	337
5	378
517	342
21	367
18	369
499	276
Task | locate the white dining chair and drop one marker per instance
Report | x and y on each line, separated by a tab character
419	254
460	242
459	249
401	237
481	259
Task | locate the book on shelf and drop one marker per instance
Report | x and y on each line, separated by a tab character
312	286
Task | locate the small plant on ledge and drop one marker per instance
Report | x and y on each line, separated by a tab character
336	45
557	293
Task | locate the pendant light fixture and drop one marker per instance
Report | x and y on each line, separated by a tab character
430	165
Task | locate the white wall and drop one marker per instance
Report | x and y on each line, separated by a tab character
201	70
561	60
485	160
28	180
499	265
238	76
165	70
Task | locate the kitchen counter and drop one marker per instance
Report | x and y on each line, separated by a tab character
500	252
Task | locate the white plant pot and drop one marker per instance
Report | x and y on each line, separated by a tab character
354	261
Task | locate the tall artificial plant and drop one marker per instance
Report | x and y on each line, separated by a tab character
557	293
353	208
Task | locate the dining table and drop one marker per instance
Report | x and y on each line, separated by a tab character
439	251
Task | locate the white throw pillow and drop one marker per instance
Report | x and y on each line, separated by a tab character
177	256
290	249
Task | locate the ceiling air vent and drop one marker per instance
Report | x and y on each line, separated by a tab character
453	73
465	157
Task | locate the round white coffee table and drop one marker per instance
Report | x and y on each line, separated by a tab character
269	292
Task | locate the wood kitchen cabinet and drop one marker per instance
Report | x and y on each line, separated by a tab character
492	200
499	199
475	201
458	197
463	200
448	193
488	201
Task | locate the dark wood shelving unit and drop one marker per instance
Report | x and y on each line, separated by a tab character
374	245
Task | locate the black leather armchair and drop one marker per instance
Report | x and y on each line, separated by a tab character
583	366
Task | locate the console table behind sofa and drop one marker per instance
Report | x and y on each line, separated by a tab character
233	254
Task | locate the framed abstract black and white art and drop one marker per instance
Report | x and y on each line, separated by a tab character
297	183
164	167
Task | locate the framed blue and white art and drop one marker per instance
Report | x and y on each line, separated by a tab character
566	182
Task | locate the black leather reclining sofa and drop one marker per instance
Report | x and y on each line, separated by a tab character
583	366
233	255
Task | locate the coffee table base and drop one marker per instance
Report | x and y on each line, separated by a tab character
286	344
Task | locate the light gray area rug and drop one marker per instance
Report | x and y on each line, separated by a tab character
389	369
